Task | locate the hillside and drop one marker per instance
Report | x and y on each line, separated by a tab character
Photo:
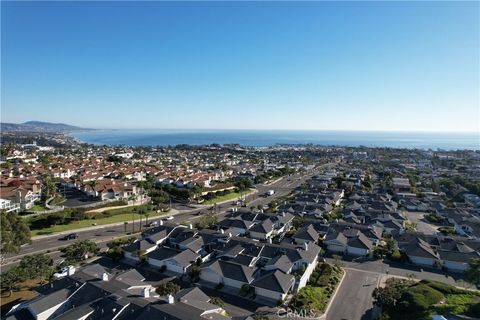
39	126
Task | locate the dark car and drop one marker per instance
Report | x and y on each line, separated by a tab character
70	236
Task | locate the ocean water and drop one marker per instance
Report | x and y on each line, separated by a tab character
257	138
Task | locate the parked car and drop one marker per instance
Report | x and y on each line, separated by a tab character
169	218
70	236
153	224
64	272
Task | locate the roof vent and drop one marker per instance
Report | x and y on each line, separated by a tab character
105	276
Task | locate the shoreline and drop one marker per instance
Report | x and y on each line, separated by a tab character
426	141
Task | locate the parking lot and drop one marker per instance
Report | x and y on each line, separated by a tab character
76	198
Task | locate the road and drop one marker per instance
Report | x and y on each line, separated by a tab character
353	300
103	234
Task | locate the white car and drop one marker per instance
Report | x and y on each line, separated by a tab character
169	218
64	272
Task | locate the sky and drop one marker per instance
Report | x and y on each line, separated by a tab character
388	66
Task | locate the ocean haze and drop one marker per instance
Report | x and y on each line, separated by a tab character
263	138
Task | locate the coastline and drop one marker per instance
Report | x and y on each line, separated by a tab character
270	138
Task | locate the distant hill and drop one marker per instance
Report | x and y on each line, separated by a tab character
39	126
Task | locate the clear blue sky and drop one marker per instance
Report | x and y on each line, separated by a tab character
312	65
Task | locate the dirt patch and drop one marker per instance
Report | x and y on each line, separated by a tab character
25	293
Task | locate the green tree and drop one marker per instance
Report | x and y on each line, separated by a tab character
14	233
49	188
11	278
79	250
206	221
38	266
472	275
168	288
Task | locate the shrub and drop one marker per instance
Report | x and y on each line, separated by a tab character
474	310
442	287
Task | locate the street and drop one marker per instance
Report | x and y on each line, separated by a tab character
353	300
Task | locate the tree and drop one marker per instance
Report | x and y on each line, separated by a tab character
168	288
37	266
48	187
206	221
11	278
472	275
297	222
195	273
79	250
14	233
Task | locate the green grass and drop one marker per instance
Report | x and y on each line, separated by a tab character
89	222
457	304
230	196
37	207
57	200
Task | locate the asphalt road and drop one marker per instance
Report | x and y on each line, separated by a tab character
103	234
400	270
353	300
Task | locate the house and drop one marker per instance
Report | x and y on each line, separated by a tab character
96	293
273	285
350	241
401	185
421	253
306	234
262	230
227	273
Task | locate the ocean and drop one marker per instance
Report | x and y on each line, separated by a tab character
258	138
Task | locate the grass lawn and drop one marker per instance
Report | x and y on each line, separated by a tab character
37	207
230	196
89	222
457	304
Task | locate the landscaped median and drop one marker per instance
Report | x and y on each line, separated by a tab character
229	196
314	298
72	219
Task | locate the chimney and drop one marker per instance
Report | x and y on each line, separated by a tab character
71	270
105	276
146	292
305	246
170	299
